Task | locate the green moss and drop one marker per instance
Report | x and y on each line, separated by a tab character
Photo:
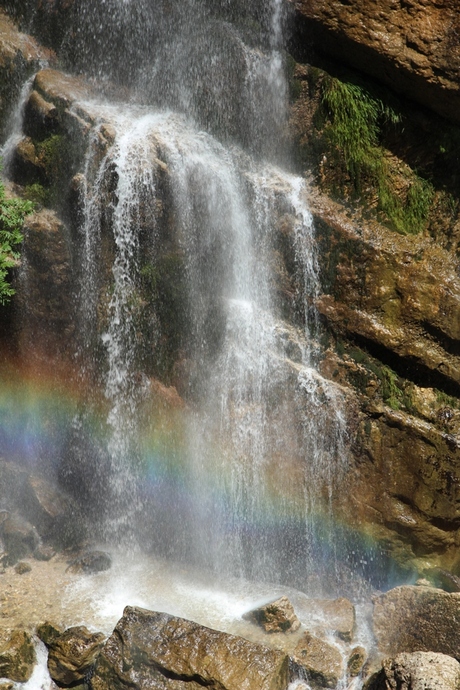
411	217
51	152
447	400
37	193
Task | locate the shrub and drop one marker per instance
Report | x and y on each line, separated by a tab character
12	214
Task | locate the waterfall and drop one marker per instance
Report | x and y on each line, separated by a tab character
186	223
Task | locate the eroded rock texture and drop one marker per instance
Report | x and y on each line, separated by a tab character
413	46
418	671
417	619
155	650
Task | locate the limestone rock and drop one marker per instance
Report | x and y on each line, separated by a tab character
17	655
321	661
417	619
418	671
155	650
72	654
277	616
410	46
401	297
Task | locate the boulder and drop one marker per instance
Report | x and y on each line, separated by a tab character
72	654
321	661
356	661
17	655
277	616
417	671
411	46
91	562
22	568
155	650
417	619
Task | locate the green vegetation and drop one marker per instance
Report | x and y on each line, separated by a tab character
37	193
12	214
354	122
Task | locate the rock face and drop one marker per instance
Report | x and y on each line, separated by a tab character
396	298
20	56
418	671
17	655
155	650
412	46
34	510
47	319
417	619
278	616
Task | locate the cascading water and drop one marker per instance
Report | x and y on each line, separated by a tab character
185	225
264	433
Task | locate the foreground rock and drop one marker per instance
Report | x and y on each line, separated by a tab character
72	654
277	616
17	655
155	650
321	662
415	619
418	671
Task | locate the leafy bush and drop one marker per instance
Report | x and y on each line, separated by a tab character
12	214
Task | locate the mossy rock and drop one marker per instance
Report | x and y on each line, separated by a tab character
17	655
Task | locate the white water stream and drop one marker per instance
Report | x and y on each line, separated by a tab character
265	433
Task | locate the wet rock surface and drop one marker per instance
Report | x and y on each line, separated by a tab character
320	661
277	616
17	655
418	671
356	661
72	654
155	650
417	619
